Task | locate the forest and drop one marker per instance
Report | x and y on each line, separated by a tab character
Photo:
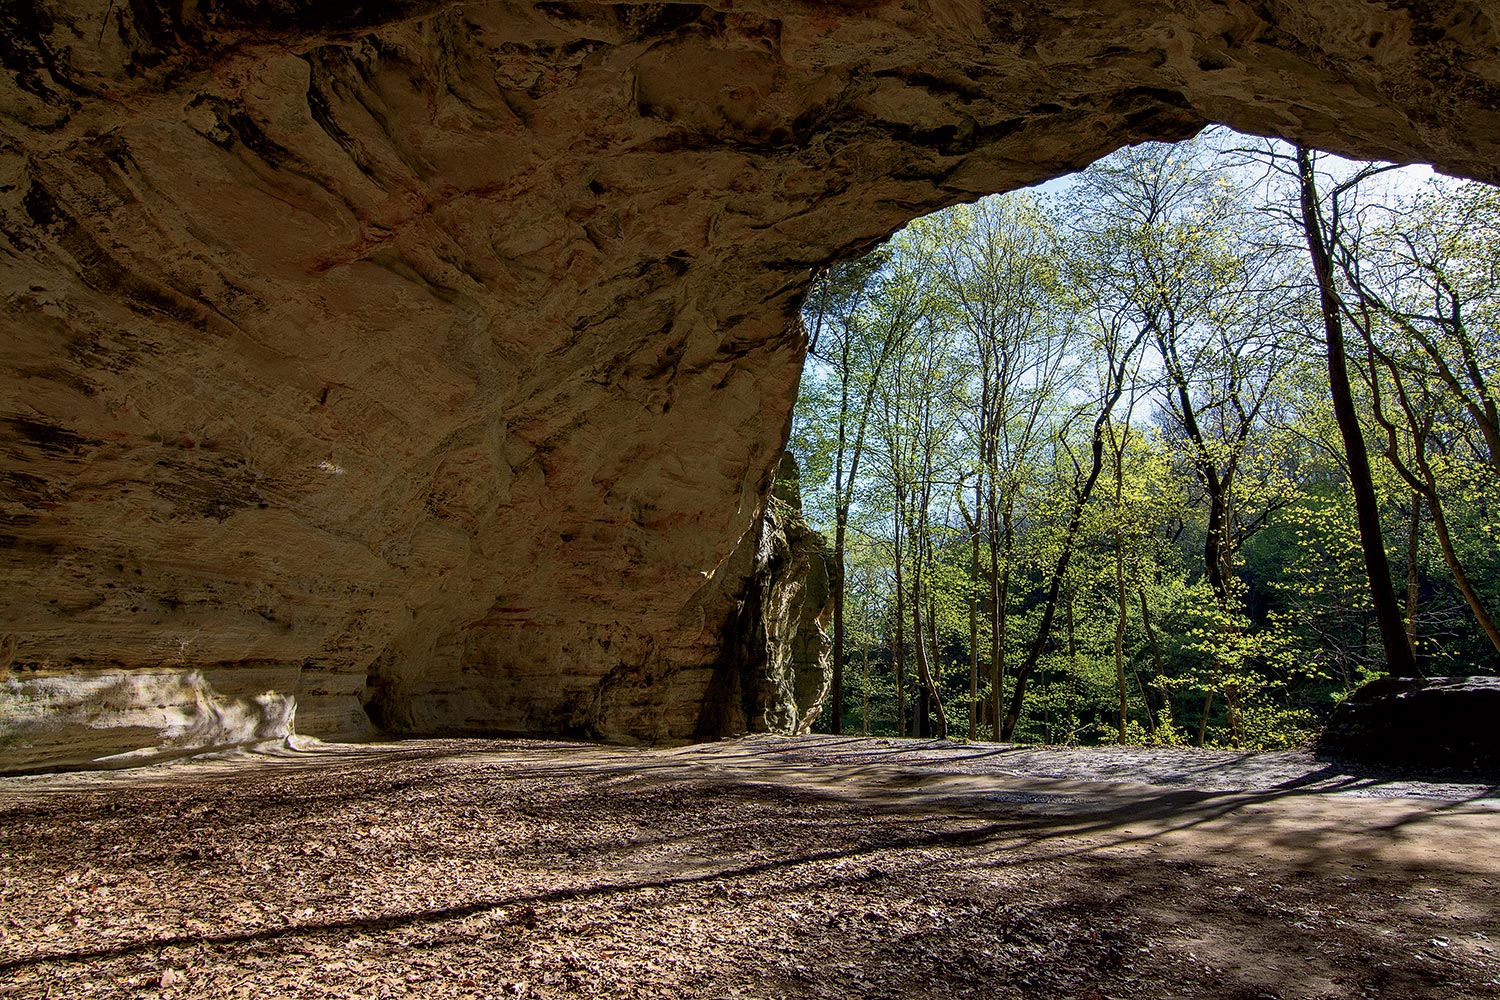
1182	451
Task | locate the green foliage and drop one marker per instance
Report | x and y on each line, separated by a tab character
963	376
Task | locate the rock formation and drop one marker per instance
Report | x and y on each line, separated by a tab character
438	356
1419	722
773	672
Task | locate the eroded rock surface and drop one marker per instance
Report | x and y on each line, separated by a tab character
773	672
438	355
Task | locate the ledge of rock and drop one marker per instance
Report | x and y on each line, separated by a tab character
1423	722
437	357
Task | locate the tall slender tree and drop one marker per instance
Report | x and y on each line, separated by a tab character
863	309
1117	350
1321	227
998	266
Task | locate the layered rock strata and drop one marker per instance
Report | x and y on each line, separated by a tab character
438	356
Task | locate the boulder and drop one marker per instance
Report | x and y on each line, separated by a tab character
1446	723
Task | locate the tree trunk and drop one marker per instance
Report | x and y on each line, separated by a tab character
1120	631
1423	482
841	518
900	651
1046	713
935	666
974	621
1001	616
922	724
836	724
1398	653
1158	678
1232	713
1460	575
1413	578
1213	545
1117	449
997	616
927	696
922	728
864	715
1072	639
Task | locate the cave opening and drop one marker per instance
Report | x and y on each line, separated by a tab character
979	387
440	357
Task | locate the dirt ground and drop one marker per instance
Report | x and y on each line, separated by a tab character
758	868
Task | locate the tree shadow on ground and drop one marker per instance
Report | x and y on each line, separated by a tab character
993	821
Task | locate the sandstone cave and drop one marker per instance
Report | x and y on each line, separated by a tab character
422	371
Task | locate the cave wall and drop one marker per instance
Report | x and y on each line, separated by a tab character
438	356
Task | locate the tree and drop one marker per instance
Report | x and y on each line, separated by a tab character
1417	292
1117	350
1167	233
913	424
998	269
1321	228
861	314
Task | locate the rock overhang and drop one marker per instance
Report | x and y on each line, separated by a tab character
438	356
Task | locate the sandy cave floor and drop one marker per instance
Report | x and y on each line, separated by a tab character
764	867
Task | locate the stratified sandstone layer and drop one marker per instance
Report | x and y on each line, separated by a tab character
438	355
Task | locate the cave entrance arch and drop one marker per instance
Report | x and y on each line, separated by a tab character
440	354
